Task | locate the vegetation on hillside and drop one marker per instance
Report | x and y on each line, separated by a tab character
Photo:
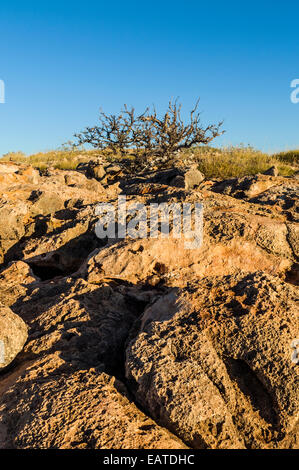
237	161
149	135
290	156
149	141
226	162
61	159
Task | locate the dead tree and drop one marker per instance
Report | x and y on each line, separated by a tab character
145	136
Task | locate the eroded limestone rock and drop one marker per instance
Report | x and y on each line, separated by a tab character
13	335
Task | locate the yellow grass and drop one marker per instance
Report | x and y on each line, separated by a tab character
224	162
237	162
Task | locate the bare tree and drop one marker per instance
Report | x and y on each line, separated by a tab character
147	135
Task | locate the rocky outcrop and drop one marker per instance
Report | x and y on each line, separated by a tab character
59	394
33	205
277	192
86	409
144	343
212	362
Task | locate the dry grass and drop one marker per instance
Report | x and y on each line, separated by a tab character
238	161
61	159
290	156
214	163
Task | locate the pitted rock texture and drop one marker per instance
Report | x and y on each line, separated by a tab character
29	200
212	362
144	343
86	409
280	192
13	335
59	394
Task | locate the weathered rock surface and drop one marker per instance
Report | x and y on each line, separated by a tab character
272	171
278	192
212	362
187	178
237	236
59	394
198	339
13	335
86	409
28	200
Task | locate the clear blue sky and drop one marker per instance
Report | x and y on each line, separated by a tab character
62	60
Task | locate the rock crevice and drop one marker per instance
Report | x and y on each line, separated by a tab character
143	343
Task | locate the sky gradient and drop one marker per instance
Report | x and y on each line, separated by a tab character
63	60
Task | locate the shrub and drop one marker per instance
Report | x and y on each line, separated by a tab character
147	135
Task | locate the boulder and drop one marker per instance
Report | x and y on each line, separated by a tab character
113	169
50	409
65	395
8	167
245	187
13	335
178	177
212	362
164	176
98	172
193	178
272	171
32	204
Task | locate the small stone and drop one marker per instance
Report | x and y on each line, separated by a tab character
99	172
113	169
272	171
193	178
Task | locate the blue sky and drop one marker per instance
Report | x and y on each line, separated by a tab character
63	60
